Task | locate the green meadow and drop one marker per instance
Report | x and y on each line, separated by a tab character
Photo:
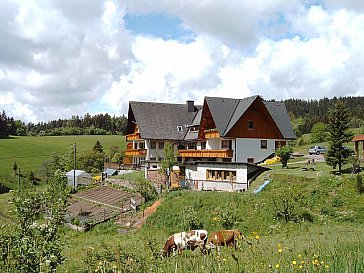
302	221
296	224
29	152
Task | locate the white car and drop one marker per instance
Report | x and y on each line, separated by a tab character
317	150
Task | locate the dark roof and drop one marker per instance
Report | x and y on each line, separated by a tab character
160	120
226	112
222	109
280	116
193	135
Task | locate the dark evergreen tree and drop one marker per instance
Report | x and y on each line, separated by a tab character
15	167
98	147
339	122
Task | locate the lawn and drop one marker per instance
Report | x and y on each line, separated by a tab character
29	152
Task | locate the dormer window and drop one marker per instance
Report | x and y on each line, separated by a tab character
179	128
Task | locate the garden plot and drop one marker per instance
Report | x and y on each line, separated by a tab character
99	204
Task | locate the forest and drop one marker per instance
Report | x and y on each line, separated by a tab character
304	115
99	124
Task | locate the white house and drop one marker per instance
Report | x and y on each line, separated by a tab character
232	135
222	176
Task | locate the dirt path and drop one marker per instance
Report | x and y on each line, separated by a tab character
148	211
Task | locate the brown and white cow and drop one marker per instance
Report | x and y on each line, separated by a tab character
185	240
224	238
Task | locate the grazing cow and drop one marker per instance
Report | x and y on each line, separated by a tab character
185	240
224	238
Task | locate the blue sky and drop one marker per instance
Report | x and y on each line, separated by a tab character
55	63
158	25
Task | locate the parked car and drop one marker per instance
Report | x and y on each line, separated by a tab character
317	150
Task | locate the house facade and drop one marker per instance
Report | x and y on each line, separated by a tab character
224	132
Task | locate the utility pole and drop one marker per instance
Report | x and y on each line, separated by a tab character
74	166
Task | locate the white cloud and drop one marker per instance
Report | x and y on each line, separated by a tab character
61	58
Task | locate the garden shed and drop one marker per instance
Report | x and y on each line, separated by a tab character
357	140
78	177
109	172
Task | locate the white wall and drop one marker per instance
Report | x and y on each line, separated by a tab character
213	144
250	148
199	172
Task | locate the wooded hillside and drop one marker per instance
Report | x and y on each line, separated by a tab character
313	111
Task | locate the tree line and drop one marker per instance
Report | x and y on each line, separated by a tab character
99	124
305	114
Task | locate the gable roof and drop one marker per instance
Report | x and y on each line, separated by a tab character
193	135
76	172
358	138
280	116
226	112
221	109
160	120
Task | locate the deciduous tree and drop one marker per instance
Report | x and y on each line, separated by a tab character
284	153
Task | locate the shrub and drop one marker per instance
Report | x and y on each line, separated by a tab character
284	153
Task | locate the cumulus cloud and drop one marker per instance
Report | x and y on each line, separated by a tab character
56	62
60	58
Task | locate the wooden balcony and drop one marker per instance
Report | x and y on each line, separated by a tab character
212	134
206	153
135	152
132	137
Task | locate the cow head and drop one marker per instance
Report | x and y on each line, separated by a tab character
169	246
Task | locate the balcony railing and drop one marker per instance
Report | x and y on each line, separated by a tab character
206	153
132	137
135	152
212	133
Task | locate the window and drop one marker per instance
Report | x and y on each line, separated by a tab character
250	124
251	160
226	144
224	175
153	145
141	145
192	146
263	144
161	145
179	128
203	145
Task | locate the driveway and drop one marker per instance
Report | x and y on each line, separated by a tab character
318	158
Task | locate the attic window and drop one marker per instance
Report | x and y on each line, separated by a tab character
250	124
179	129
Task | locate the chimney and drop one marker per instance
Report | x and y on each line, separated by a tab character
190	106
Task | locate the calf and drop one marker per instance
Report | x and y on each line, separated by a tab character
185	240
224	238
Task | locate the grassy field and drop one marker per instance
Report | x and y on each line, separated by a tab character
303	221
323	233
29	152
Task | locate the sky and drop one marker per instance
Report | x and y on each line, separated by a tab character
72	57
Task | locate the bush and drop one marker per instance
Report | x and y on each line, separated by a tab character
284	153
